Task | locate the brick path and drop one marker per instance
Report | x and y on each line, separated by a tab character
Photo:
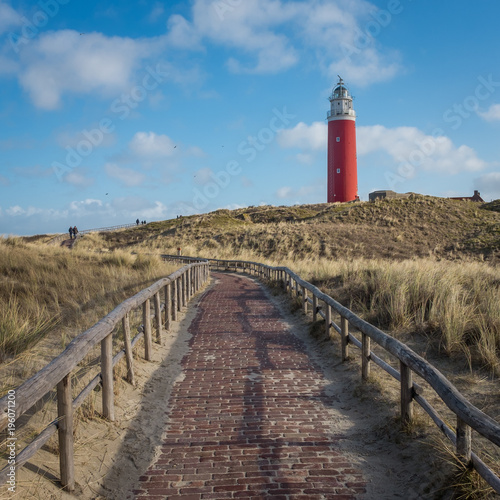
249	419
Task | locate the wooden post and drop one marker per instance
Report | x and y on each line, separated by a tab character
365	356
128	349
406	393
328	317
158	317
108	397
179	294
304	299
183	289
188	284
464	441
146	321
65	431
168	306
315	308
344	337
174	300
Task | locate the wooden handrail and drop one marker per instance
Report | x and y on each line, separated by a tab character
58	372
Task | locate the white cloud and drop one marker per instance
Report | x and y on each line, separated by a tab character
151	145
309	137
65	61
369	66
409	145
247	26
8	18
126	176
182	34
84	207
264	36
406	145
15	211
493	113
271	36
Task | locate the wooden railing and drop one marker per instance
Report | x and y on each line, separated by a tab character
468	417
177	290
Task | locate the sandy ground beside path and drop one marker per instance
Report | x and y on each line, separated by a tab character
110	457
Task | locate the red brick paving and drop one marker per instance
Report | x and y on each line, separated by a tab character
249	420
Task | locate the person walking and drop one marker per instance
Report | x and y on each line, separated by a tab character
70	233
75	232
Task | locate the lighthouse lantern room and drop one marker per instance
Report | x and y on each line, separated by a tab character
342	160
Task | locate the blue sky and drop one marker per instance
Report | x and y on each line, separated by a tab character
150	109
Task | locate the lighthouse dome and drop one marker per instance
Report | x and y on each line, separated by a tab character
340	91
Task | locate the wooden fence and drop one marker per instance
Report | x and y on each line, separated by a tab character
177	290
468	417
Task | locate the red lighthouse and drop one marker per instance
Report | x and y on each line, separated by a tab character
342	160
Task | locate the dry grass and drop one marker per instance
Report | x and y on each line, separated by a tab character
419	227
457	306
50	291
421	264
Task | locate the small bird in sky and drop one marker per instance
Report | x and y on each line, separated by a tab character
175	147
107	194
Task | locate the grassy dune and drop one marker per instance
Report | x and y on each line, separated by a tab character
425	265
395	229
48	289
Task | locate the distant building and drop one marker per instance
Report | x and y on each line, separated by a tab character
476	197
386	194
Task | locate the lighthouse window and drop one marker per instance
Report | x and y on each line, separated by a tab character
338	139
338	170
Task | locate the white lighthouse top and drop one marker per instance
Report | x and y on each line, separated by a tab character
341	103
